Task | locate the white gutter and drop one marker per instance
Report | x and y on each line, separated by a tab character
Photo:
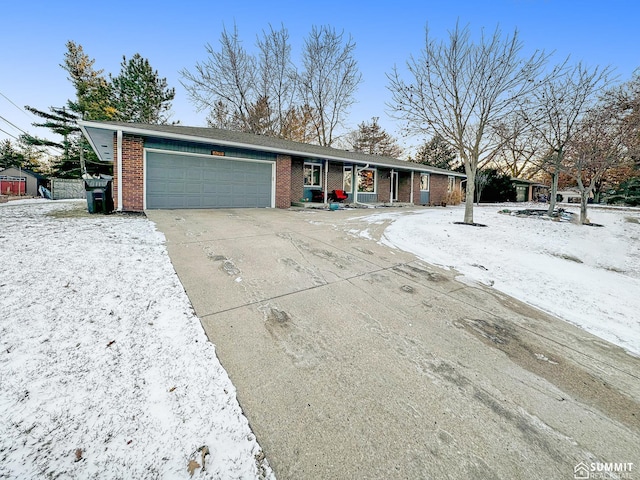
119	168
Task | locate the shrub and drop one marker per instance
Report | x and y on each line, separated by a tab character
628	193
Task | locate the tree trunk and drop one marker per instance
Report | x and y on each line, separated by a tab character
584	199
554	193
468	203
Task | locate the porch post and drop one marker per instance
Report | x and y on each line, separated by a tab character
391	187
119	169
326	179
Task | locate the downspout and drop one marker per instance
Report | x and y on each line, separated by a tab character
391	187
355	181
326	179
119	168
411	196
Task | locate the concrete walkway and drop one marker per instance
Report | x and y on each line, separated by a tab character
354	360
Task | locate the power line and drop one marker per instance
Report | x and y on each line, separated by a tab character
19	108
10	134
13	125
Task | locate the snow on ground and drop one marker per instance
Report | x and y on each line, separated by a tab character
586	275
105	371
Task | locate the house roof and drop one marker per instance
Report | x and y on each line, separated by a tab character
527	182
100	135
23	171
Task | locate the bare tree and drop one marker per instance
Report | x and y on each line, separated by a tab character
459	89
277	79
329	79
227	76
558	106
521	147
596	146
626	99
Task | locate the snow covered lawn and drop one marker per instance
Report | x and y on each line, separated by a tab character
588	276
105	371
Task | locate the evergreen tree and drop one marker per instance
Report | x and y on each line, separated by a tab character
9	156
139	94
371	138
495	187
93	92
21	155
60	121
437	153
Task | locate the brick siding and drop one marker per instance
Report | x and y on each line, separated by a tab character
438	189
284	181
416	188
404	187
335	177
384	185
132	174
297	179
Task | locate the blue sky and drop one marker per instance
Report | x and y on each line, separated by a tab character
172	35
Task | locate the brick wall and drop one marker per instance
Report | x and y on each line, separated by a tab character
416	188
297	179
284	181
384	185
132	173
404	187
335	177
438	189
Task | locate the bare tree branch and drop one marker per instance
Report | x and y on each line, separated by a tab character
460	89
329	79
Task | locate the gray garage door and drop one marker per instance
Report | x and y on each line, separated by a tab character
184	181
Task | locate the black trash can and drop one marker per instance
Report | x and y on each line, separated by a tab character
99	198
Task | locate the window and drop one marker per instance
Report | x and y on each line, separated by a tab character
424	182
367	180
452	184
347	179
312	175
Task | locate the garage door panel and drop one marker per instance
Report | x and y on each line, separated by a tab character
183	181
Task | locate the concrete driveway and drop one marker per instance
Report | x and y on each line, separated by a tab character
354	360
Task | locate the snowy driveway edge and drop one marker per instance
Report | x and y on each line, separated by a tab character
105	371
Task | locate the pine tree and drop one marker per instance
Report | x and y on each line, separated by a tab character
9	156
60	121
437	153
371	138
93	92
139	94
